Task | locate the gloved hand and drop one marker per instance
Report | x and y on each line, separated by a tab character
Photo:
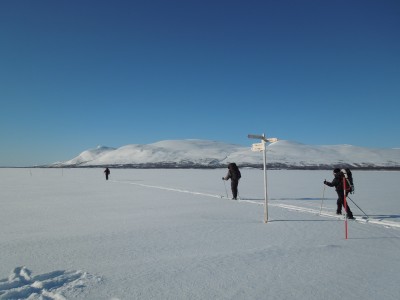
223	178
325	181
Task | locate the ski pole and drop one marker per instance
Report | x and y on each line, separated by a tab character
358	207
226	191
323	197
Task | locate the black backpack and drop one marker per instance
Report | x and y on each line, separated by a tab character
235	173
349	180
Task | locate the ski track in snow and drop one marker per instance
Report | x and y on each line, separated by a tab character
49	286
384	223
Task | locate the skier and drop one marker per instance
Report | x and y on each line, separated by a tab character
107	172
337	182
234	175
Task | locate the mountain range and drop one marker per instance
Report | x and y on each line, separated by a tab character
194	153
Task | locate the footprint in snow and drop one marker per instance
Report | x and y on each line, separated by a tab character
20	284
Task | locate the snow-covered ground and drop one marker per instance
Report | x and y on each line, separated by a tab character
168	234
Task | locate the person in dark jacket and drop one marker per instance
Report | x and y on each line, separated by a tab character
234	175
107	172
337	182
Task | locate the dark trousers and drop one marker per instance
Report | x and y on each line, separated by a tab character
340	203
234	188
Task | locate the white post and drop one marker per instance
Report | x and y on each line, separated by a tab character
265	182
257	147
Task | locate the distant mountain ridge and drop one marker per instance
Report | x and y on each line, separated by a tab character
194	153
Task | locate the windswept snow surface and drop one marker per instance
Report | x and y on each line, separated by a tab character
173	234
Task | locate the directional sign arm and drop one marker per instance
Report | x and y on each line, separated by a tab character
272	140
262	137
257	137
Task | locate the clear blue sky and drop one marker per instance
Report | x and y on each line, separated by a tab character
77	74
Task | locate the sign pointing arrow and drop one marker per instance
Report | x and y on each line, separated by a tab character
257	147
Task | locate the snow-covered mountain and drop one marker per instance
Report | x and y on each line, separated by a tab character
213	154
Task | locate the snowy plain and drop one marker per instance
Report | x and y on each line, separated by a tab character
168	234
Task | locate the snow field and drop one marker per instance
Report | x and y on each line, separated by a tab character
151	234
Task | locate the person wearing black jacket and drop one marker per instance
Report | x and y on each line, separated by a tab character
107	172
337	182
234	175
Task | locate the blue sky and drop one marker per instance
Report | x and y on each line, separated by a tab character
77	74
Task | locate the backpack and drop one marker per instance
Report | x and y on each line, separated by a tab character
349	180
235	173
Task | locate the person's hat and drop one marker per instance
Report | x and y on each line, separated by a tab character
337	170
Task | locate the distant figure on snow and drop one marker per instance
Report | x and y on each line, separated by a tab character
337	182
107	172
234	175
